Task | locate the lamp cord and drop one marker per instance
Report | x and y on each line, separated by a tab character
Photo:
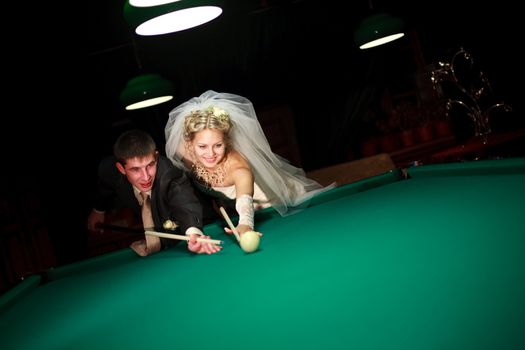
135	52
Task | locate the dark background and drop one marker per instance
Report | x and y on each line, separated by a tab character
299	53
281	52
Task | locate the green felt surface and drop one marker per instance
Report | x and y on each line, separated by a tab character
426	263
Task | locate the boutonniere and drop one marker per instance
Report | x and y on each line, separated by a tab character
169	225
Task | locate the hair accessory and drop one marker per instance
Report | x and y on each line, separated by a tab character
221	114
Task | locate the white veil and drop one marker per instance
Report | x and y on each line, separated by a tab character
284	184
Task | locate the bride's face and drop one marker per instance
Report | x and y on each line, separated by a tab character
209	146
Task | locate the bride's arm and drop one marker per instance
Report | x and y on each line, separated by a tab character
243	179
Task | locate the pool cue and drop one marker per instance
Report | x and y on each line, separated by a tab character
181	237
230	223
154	233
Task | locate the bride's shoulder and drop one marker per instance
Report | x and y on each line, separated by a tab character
236	161
235	156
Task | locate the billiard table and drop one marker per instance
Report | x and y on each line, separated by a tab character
432	257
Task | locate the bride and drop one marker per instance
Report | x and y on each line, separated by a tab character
217	138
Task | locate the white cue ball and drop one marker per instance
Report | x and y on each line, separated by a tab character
250	241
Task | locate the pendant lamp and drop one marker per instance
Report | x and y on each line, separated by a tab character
147	3
146	90
155	17
378	29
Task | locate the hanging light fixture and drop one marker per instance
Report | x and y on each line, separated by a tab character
147	3
146	90
155	17
378	29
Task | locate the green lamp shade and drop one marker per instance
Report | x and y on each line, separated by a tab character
146	90
147	3
170	17
377	30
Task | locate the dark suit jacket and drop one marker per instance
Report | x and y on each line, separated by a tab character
172	196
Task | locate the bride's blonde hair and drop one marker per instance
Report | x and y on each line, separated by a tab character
209	118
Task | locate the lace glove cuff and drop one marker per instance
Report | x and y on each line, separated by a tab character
244	206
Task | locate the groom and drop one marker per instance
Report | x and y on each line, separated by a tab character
137	171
